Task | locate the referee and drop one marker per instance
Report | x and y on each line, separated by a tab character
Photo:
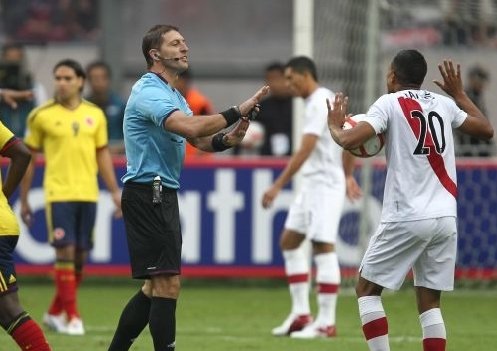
157	124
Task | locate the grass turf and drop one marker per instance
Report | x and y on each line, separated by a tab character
219	316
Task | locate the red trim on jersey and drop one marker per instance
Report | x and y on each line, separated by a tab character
375	328
12	141
298	278
435	159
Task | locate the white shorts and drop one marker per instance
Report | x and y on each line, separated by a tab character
316	213
427	246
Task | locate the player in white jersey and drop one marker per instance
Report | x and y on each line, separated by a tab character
418	224
316	210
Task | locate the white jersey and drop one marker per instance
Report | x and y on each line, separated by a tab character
324	164
421	168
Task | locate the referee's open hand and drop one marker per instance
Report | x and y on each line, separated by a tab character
246	106
235	135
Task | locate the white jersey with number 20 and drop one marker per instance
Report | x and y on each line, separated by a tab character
421	169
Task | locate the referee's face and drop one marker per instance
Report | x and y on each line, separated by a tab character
174	51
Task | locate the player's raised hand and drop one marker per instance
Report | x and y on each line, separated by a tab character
247	106
337	111
452	82
235	135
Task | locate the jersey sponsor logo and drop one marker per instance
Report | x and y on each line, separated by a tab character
429	143
12	279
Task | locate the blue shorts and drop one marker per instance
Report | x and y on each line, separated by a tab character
71	223
8	278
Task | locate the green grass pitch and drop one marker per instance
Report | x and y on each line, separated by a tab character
219	316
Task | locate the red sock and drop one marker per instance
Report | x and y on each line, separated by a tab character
434	344
65	282
28	335
57	306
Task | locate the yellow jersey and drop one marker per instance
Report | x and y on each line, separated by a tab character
8	220
69	140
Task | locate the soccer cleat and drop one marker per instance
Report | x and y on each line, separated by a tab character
291	324
55	322
313	331
75	327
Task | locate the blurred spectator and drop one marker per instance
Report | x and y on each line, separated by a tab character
469	22
478	79
271	134
276	113
49	20
85	24
15	75
99	77
198	103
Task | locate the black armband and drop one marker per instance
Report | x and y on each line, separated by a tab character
217	142
231	115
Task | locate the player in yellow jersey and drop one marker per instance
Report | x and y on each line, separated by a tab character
17	322
72	134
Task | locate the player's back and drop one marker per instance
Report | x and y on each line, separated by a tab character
421	174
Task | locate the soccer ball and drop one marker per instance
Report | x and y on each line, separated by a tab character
372	146
254	136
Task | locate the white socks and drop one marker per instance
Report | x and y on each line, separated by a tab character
297	271
434	335
328	281
374	323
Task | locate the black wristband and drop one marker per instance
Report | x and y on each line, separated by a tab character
231	115
217	142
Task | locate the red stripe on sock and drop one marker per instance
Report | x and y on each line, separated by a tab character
327	288
29	336
65	282
298	278
434	344
375	328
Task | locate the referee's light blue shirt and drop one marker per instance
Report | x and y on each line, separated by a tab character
150	149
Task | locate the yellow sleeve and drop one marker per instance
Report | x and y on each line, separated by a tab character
5	135
101	138
34	134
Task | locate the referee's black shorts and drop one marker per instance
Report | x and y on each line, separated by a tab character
153	231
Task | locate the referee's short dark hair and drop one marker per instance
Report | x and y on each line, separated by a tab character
409	67
74	65
303	64
153	40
